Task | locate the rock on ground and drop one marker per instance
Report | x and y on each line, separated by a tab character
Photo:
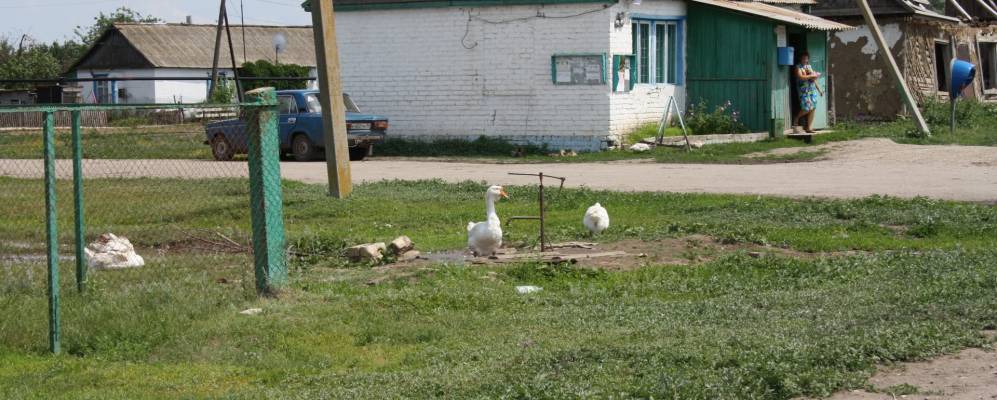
401	245
370	252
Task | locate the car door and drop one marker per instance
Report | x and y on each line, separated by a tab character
288	109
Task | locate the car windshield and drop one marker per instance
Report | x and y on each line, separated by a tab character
316	107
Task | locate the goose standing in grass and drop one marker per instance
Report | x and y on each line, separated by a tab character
485	238
596	219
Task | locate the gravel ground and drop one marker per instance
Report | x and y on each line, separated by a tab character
848	169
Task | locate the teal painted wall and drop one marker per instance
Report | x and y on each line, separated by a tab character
731	57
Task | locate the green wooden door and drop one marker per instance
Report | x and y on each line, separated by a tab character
729	59
817	47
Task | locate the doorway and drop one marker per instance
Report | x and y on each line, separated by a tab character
815	44
798	41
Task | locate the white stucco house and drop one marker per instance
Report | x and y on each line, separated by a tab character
552	72
177	50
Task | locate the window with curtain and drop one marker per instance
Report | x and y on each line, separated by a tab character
654	45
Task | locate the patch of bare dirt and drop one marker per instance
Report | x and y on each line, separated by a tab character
626	255
970	374
825	149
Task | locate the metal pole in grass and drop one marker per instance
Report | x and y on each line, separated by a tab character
265	193
51	232
81	270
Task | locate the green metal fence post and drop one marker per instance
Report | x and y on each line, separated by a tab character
81	265
52	233
266	200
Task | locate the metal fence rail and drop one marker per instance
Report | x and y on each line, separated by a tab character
135	177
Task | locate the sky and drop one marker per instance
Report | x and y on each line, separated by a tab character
49	20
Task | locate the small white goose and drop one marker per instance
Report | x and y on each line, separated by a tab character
485	238
596	219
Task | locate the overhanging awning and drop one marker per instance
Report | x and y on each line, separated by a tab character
777	14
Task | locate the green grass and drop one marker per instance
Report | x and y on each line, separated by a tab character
155	212
163	142
734	327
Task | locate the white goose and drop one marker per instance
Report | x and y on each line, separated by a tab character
485	238
596	219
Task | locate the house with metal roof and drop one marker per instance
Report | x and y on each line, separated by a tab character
571	74
178	50
923	40
743	53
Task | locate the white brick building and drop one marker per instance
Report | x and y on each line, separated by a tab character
440	70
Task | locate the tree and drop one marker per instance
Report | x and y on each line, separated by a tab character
48	61
32	63
102	22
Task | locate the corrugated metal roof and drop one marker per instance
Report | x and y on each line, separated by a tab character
923	8
192	46
778	14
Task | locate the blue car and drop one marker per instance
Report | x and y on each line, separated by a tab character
301	133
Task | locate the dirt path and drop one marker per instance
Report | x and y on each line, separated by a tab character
968	375
849	169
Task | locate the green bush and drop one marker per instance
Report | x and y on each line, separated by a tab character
722	119
222	94
482	146
264	68
969	113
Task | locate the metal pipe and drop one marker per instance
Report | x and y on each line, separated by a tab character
81	266
52	234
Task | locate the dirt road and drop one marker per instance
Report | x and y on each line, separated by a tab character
848	169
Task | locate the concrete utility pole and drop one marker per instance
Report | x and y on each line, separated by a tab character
884	50
337	156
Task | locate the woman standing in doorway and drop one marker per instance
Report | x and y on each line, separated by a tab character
806	79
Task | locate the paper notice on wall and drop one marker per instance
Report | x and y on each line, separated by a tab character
780	36
579	69
563	72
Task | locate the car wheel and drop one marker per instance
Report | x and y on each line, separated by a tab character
302	148
221	148
358	153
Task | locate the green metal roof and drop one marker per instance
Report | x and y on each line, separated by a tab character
361	5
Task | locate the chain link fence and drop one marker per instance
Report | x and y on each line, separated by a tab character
146	174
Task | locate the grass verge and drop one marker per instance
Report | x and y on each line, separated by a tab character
734	327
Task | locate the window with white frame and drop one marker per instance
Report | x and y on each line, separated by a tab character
656	48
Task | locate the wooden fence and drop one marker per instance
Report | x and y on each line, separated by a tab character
33	119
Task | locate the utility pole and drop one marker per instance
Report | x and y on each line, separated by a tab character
337	156
231	53
218	44
894	70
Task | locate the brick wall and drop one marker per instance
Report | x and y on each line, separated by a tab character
469	72
645	103
435	73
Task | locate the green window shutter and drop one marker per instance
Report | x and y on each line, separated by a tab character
616	72
673	45
633	72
